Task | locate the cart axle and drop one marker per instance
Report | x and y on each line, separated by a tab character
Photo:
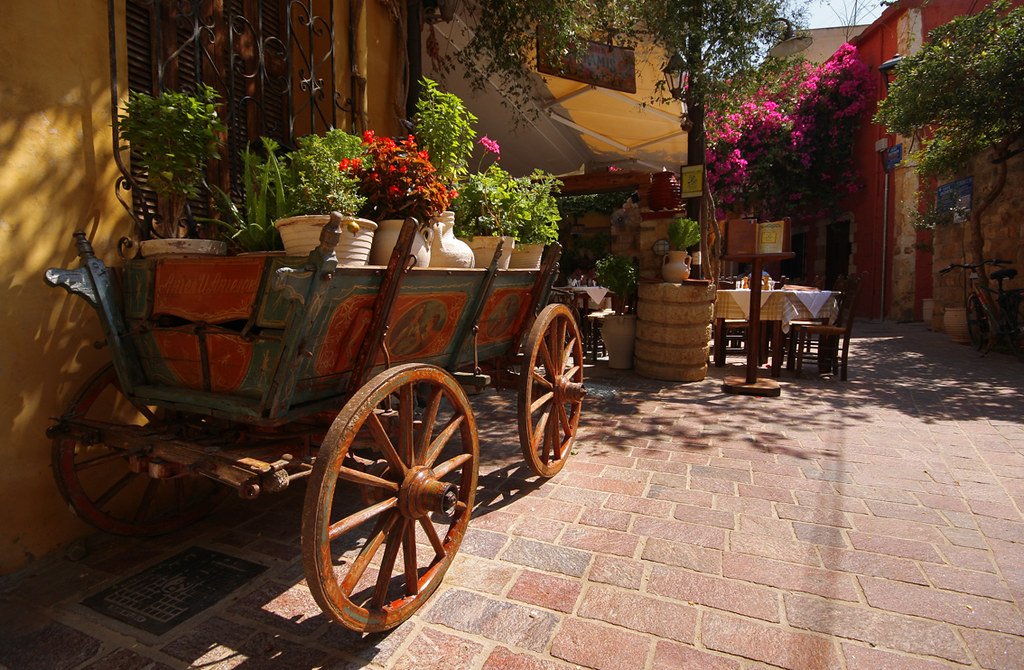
422	493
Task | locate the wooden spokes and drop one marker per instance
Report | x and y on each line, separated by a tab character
551	390
371	560
110	488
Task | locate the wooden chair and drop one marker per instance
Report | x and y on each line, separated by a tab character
827	350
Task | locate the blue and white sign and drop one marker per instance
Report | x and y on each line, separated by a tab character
893	156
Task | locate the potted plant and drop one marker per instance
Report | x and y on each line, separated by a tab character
619	275
444	128
538	218
322	179
399	181
683	233
250	228
172	137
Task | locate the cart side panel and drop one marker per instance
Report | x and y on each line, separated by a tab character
200	291
222	362
504	316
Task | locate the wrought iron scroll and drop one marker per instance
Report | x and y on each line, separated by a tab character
273	62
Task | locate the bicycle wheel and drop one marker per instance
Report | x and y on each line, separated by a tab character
978	327
1014	315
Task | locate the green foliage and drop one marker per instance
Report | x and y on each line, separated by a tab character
718	37
964	89
683	233
173	136
617	273
263	181
444	127
539	211
495	203
316	184
602	203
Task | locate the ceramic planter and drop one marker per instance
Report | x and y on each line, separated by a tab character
526	256
675	266
619	332
301	234
483	250
448	251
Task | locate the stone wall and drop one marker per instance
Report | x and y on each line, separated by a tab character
1003	226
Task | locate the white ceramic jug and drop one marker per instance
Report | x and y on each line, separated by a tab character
675	266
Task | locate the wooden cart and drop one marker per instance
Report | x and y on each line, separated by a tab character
254	371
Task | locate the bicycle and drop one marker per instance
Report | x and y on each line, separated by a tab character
993	314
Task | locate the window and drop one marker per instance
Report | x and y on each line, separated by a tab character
272	61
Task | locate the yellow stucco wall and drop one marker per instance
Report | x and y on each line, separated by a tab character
56	177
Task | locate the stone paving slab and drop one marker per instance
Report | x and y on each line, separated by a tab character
872	524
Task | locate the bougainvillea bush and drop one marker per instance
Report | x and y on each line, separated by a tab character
785	147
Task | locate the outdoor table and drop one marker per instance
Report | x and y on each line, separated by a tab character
588	299
778	308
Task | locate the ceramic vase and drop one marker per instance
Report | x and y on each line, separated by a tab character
448	251
387	236
301	234
483	250
675	266
526	257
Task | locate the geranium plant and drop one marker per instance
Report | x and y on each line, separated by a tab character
398	180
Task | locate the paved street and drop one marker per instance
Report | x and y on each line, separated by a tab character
874	524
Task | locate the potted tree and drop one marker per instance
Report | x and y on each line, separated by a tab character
539	218
619	274
321	179
683	233
172	137
444	129
399	181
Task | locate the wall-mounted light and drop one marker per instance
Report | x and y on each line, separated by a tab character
791	42
887	68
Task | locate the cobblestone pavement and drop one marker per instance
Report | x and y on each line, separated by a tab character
874	524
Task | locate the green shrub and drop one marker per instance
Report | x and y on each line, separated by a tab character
683	233
316	185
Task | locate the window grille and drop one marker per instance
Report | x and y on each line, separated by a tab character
272	61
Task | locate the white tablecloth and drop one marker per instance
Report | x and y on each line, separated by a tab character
781	305
595	293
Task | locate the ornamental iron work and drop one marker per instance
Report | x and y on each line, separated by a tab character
272	62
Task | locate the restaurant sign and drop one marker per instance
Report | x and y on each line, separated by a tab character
599	64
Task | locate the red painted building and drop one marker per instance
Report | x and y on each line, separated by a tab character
871	233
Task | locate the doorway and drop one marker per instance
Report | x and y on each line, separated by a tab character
837	251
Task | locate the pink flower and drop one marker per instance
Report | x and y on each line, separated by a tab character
490	146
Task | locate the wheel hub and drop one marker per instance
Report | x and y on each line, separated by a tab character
422	493
569	390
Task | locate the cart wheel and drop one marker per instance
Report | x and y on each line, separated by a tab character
551	390
422	426
100	483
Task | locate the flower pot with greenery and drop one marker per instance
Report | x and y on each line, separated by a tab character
319	181
172	137
537	226
250	228
399	181
444	128
619	275
683	233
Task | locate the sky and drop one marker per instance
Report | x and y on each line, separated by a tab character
832	13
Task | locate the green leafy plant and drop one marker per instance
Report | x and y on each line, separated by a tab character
318	182
683	233
444	128
620	275
539	211
172	136
251	227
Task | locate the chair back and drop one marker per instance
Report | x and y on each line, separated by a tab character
847	287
